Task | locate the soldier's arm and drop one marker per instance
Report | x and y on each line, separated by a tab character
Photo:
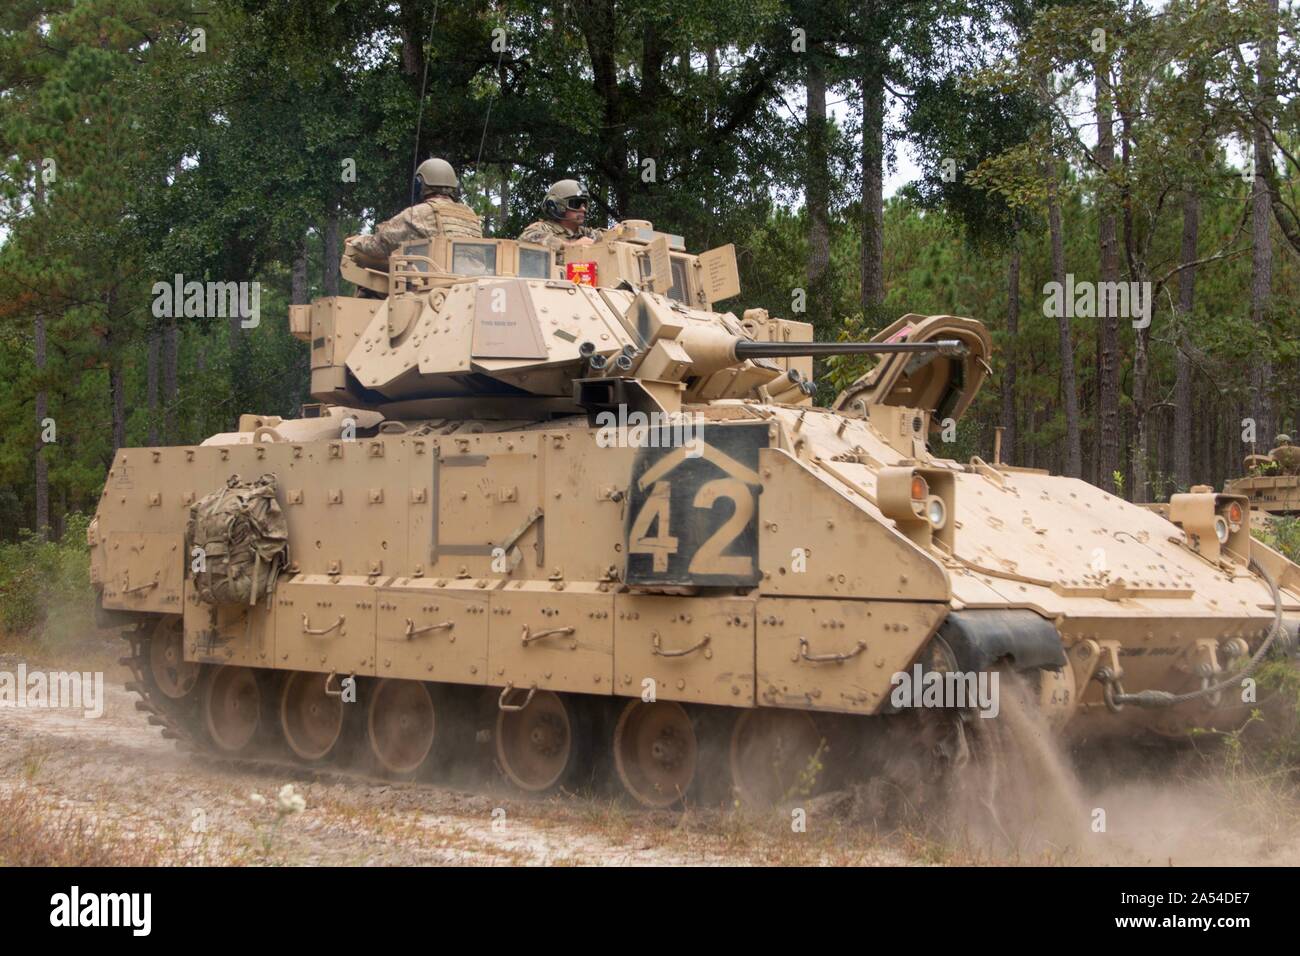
368	246
388	236
536	233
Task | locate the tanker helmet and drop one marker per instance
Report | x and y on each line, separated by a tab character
1283	439
437	176
560	198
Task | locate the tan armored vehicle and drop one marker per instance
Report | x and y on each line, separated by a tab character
1272	481
577	498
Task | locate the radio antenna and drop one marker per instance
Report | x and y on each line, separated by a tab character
419	116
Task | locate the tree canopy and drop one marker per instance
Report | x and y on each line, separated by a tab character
241	140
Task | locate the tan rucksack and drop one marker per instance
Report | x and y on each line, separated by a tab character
245	542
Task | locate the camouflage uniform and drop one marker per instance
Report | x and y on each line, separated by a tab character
433	216
554	234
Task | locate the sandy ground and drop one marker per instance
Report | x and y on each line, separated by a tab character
118	773
150	803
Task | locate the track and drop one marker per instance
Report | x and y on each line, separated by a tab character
117	771
660	755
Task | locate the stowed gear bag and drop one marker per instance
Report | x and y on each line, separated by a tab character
245	542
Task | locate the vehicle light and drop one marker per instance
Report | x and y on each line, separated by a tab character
580	273
920	488
1221	529
1234	513
936	511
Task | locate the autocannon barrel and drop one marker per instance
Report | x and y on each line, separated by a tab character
749	350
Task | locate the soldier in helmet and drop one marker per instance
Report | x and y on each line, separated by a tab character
565	212
1286	455
438	213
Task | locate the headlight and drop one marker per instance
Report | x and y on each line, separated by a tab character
936	512
1221	529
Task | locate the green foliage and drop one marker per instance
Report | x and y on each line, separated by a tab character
227	164
1267	745
44	582
1282	534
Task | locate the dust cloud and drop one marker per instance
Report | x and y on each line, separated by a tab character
1021	797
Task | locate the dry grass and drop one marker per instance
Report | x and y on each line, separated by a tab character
32	761
32	834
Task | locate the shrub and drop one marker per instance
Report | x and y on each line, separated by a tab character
45	585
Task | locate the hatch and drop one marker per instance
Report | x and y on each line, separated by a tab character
943	385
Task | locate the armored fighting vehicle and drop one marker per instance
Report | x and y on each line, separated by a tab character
561	507
1272	481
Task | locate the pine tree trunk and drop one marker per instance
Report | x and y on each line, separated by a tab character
817	196
1139	447
1182	361
1261	273
42	403
873	214
1108	457
42	412
116	373
1072	454
1008	361
1204	466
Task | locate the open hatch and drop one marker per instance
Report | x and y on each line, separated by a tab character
942	385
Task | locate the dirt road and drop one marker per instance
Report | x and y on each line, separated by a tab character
112	790
148	802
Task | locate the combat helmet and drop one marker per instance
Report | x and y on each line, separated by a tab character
562	196
437	176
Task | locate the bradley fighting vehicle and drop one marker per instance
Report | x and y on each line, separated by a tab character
571	511
1272	481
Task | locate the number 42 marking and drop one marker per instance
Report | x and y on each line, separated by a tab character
709	559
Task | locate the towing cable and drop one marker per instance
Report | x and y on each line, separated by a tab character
1113	690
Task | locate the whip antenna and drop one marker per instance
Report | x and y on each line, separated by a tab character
419	116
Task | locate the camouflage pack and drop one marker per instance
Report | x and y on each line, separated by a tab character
244	540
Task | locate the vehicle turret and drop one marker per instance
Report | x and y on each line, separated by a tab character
492	327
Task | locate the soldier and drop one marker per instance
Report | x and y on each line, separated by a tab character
565	209
1286	455
438	213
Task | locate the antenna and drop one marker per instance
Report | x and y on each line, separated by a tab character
486	118
419	116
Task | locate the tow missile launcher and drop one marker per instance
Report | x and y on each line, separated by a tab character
570	485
